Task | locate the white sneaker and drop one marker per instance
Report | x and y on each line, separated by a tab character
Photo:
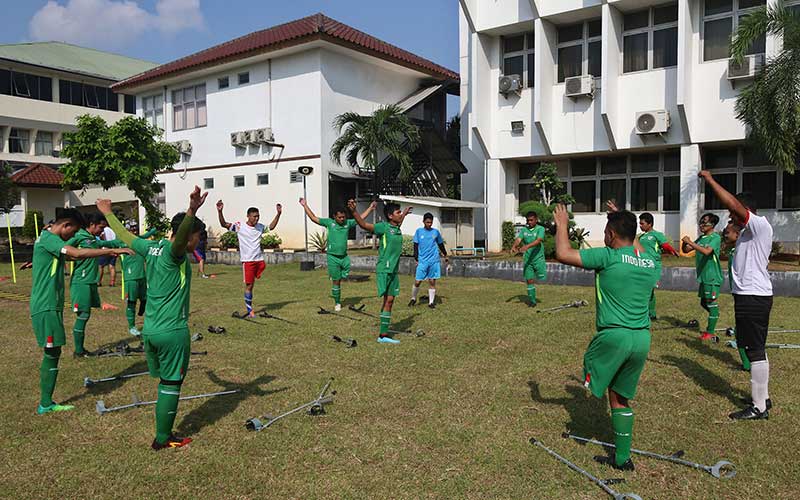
338	308
133	331
204	276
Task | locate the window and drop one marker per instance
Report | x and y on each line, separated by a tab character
579	50
86	95
189	107
791	190
19	141
130	105
153	110
720	20
518	57
584	194
244	78
208	183
44	143
26	85
262	179
527	190
650	39
745	169
671	194
238	181
223	82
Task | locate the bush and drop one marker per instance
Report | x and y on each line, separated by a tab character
270	240
319	241
408	245
544	212
577	236
29	228
508	235
777	248
229	240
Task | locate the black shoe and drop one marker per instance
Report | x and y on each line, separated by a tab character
432	305
83	354
531	304
749	402
750	413
412	302
610	461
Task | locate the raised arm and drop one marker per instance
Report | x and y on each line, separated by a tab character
74	253
278	211
309	212
104	206
150	232
366	226
222	221
403	217
181	239
369	210
564	251
727	199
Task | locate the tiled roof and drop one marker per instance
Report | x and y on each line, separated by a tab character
38	175
315	27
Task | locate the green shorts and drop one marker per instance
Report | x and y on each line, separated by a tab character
338	267
83	297
535	270
615	359
388	284
168	354
49	328
136	290
708	292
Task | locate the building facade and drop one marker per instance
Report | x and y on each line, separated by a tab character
629	98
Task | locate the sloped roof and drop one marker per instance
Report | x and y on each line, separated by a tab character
38	175
307	29
74	59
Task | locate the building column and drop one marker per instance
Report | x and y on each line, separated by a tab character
495	201
56	92
5	132
23	200
690	189
66	199
32	144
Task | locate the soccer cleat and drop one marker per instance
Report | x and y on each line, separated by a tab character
707	336
750	413
204	276
432	305
337	308
610	461
749	402
412	302
171	442
251	314
53	408
387	340
134	331
82	354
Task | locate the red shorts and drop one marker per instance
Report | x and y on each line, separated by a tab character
253	270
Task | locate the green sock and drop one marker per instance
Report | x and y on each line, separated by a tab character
653	304
78	330
713	316
48	373
166	410
130	313
745	359
622	421
386	320
532	293
336	293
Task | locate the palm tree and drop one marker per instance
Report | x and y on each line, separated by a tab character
770	106
363	139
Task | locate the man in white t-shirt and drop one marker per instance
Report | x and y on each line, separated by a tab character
249	234
752	292
109	261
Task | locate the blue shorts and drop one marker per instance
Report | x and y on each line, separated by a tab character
106	260
428	271
199	254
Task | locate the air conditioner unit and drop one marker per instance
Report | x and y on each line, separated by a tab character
183	146
238	139
578	86
251	137
652	122
509	84
746	69
264	135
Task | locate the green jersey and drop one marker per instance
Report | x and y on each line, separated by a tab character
528	235
651	241
337	235
624	280
47	291
86	271
133	267
168	285
708	267
390	247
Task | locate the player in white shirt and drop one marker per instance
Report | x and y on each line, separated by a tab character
249	234
752	292
109	261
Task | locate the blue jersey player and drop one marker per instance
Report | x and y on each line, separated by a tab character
428	244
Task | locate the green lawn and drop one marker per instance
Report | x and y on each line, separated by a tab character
444	416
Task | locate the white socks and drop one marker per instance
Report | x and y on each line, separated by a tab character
414	292
759	380
431	295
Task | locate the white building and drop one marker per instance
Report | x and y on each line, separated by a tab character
44	87
586	70
249	112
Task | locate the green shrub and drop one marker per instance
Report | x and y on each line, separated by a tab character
319	241
29	228
229	240
270	240
408	245
544	212
509	235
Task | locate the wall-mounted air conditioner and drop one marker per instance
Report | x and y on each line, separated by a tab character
652	122
745	70
264	135
239	139
510	84
183	146
579	86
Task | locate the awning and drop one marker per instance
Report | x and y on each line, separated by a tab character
348	175
432	201
418	96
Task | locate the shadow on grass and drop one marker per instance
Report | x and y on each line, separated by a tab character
589	416
706	349
405	323
706	379
107	387
215	408
671	322
353	301
278	305
522	299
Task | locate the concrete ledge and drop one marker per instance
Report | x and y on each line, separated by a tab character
785	284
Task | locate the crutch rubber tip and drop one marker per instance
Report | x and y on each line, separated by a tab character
254	424
678	454
565	435
100	407
87	382
534	441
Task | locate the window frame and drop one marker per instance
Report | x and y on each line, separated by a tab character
734	14
584	43
206	183
23	140
184	105
246	75
39	141
259	177
236	178
650	29
151	113
527	50
227	81
740	170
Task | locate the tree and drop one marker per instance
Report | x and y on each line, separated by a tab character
453	140
551	189
128	153
770	106
8	191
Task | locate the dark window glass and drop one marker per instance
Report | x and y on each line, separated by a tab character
5	82
238	181
527	192
754	157
244	78
513	66
130	104
644	163
665	14
570	62
76	93
720	158
531	40
665	48
634	53
514	43
672	193
223	82
636	20
570	33
614	190
262	179
672	161
717	39
791	190
594	28
208	183
526	170
21	84
727	181
583	166
102	98
90	98
584	194
531	73
45	88
644	194
613	165
763	186
63	92
718	6
746	4
595	59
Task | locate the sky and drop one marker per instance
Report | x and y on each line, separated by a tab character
165	30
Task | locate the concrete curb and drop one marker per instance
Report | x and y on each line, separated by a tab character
786	284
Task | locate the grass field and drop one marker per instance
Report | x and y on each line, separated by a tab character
444	416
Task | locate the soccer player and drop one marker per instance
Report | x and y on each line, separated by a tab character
166	339
135	285
83	283
654	242
389	251
249	235
731	235
615	358
428	245
531	237
752	292
338	262
709	269
47	297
